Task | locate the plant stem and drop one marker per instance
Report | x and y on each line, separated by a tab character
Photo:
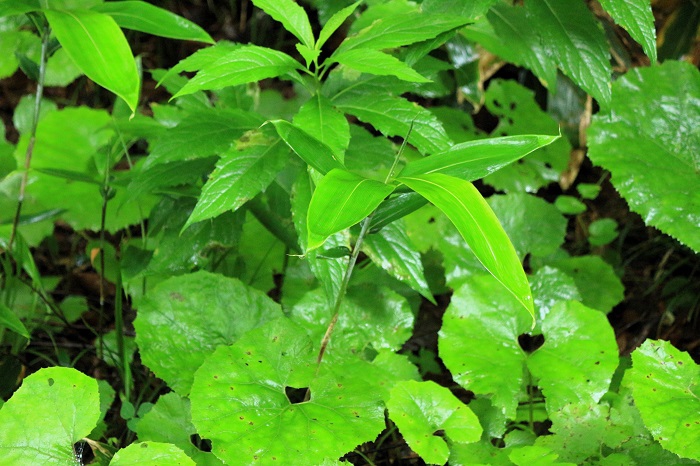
32	138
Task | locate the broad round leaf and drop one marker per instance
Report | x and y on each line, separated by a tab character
161	454
53	409
420	409
666	387
240	400
200	312
650	144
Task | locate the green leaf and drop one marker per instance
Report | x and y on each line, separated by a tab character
341	200
637	18
19	7
602	231
312	151
420	409
9	320
575	39
396	207
239	400
402	29
475	159
578	358
248	63
472	9
144	17
666	386
162	454
549	286
485	323
391	249
200	311
569	205
318	117
96	44
292	16
200	59
239	176
70	409
652	122
334	22
375	62
479	227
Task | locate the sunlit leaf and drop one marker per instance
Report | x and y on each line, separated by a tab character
312	151
318	117
379	63
291	15
162	454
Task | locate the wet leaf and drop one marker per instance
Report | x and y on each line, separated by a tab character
637	18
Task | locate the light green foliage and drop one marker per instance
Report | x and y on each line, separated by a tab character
64	402
200	311
162	454
569	205
318	117
602	231
311	150
550	285
419	409
666	385
378	63
648	124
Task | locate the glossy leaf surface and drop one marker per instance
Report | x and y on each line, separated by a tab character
201	311
70	409
291	15
162	454
96	44
637	18
379	63
419	409
312	151
649	145
479	226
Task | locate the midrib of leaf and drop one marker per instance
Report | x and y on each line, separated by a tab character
347	199
559	21
99	51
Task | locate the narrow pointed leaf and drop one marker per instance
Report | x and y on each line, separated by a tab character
291	15
144	17
341	200
96	44
334	23
396	207
478	225
9	320
475	159
242	65
637	18
307	147
379	63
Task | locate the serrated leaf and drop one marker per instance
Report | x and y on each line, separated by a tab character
341	200
248	63
312	151
144	17
375	62
484	323
575	40
578	358
70	409
239	176
96	44
652	122
666	387
479	226
475	159
193	308
637	18
402	29
419	409
318	117
200	59
10	321
260	367
334	22
162	454
292	16
391	249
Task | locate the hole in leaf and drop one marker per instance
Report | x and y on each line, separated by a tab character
439	433
296	395
202	444
530	343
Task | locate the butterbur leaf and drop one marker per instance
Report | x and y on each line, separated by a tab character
291	15
312	151
379	63
239	176
334	22
70	409
162	454
192	308
341	200
475	159
479	226
318	117
419	409
649	146
144	17
248	399
666	388
96	44
637	18
248	63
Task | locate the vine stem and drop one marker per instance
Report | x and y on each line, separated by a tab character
32	138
